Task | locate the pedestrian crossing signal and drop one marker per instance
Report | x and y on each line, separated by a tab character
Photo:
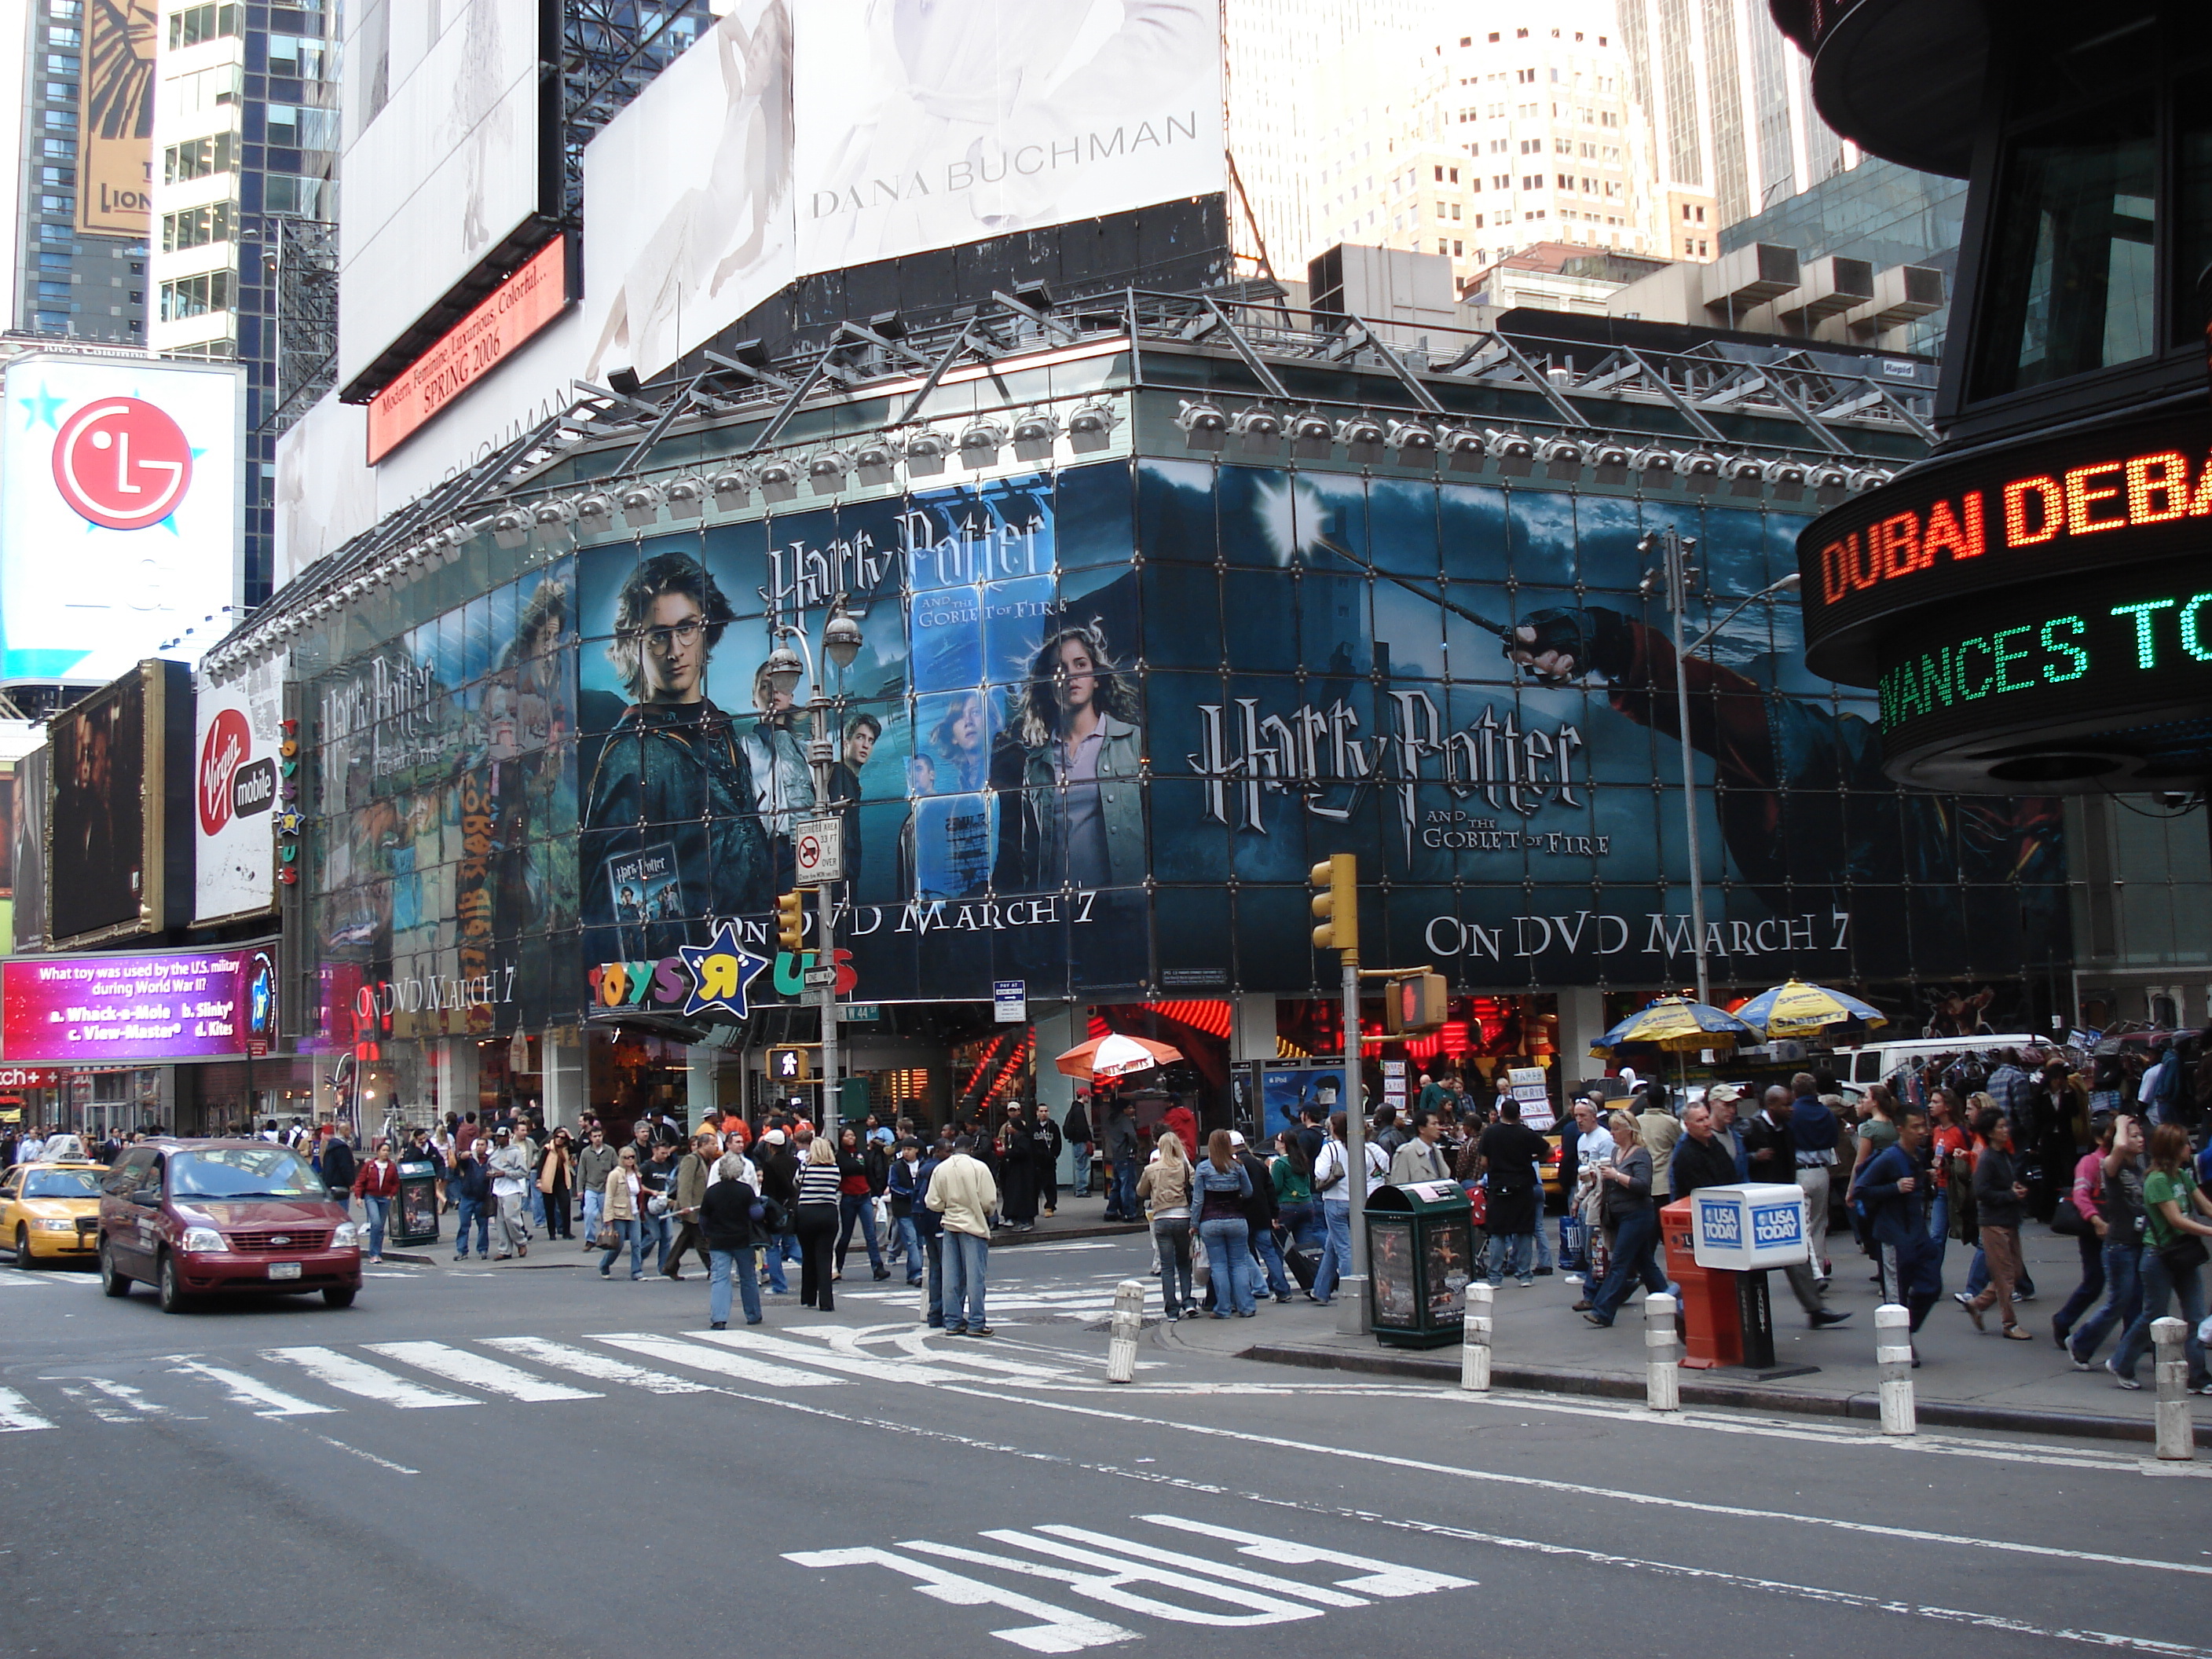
787	1066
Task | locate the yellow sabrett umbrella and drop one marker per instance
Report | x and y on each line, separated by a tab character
1795	1009
1676	1024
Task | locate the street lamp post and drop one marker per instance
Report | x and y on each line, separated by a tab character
841	644
1675	574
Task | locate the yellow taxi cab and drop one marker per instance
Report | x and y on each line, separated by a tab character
50	1213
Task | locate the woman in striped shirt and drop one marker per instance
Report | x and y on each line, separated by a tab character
816	1224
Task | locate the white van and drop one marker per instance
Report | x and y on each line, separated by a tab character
1877	1060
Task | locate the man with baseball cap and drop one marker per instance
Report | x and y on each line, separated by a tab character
1723	1097
779	1180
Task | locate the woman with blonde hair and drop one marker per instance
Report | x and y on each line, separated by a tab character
1631	1217
815	1221
1163	1189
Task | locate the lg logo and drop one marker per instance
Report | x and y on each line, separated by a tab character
122	463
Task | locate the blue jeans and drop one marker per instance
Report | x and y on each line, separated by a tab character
1307	1229
2087	1292
1939	1228
909	1243
852	1207
594	1203
1171	1240
478	1213
1543	1241
1509	1254
722	1267
783	1247
536	1205
1261	1239
1229	1255
2122	1299
965	1260
933	1246
1081	1150
1336	1255
629	1233
2160	1283
1121	1196
379	1210
1634	1244
655	1234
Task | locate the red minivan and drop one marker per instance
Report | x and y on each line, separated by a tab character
224	1218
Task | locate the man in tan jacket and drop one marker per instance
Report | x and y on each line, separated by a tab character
963	1194
693	1177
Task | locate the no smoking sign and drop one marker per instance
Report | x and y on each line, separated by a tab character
122	463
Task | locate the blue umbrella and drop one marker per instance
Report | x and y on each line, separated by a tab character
1676	1024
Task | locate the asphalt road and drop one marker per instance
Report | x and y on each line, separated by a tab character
529	1459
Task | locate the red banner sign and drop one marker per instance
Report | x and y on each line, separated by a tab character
518	309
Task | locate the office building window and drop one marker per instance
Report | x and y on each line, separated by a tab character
196	158
191	25
196	296
196	227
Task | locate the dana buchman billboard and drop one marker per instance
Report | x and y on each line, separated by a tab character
443	156
120	523
796	139
924	126
115	118
236	729
690	195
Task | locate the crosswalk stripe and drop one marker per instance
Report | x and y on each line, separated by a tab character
250	1392
597	1366
474	1370
884	1370
355	1377
671	1351
130	1396
16	1416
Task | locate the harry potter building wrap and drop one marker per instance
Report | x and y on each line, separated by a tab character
1151	623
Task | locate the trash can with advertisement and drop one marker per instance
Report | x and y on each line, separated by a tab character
1420	1258
1744	1231
415	1213
1712	1334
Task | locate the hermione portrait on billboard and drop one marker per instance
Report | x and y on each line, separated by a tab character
1082	822
98	827
672	828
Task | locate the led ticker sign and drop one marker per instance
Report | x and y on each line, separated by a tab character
2060	510
2044	673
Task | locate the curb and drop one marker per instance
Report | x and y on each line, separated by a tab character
1867	1406
1116	1230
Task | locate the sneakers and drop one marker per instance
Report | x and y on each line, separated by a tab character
1525	1282
2080	1363
719	1325
979	1330
882	1273
1972	1312
2124	1382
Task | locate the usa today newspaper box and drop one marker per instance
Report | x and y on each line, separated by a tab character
1744	1230
1749	1228
1420	1255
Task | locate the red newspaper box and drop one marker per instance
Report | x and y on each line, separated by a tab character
1712	1334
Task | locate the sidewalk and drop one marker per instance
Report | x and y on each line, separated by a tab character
1966	1379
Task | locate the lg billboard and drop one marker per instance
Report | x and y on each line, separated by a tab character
120	518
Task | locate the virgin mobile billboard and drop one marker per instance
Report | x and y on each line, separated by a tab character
1103	720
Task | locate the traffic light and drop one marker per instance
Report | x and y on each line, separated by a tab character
791	921
787	1066
1336	905
1416	1006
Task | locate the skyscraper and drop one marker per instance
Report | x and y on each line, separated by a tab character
76	166
245	144
1731	106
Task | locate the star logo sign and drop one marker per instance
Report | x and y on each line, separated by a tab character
720	971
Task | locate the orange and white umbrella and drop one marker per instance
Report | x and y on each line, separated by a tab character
1116	1055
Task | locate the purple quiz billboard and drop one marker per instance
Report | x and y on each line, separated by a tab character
97	1010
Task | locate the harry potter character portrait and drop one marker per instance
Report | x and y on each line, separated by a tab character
674	776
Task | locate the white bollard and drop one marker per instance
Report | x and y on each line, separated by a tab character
1129	1320
1892	1353
1662	1363
2176	1438
1474	1340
